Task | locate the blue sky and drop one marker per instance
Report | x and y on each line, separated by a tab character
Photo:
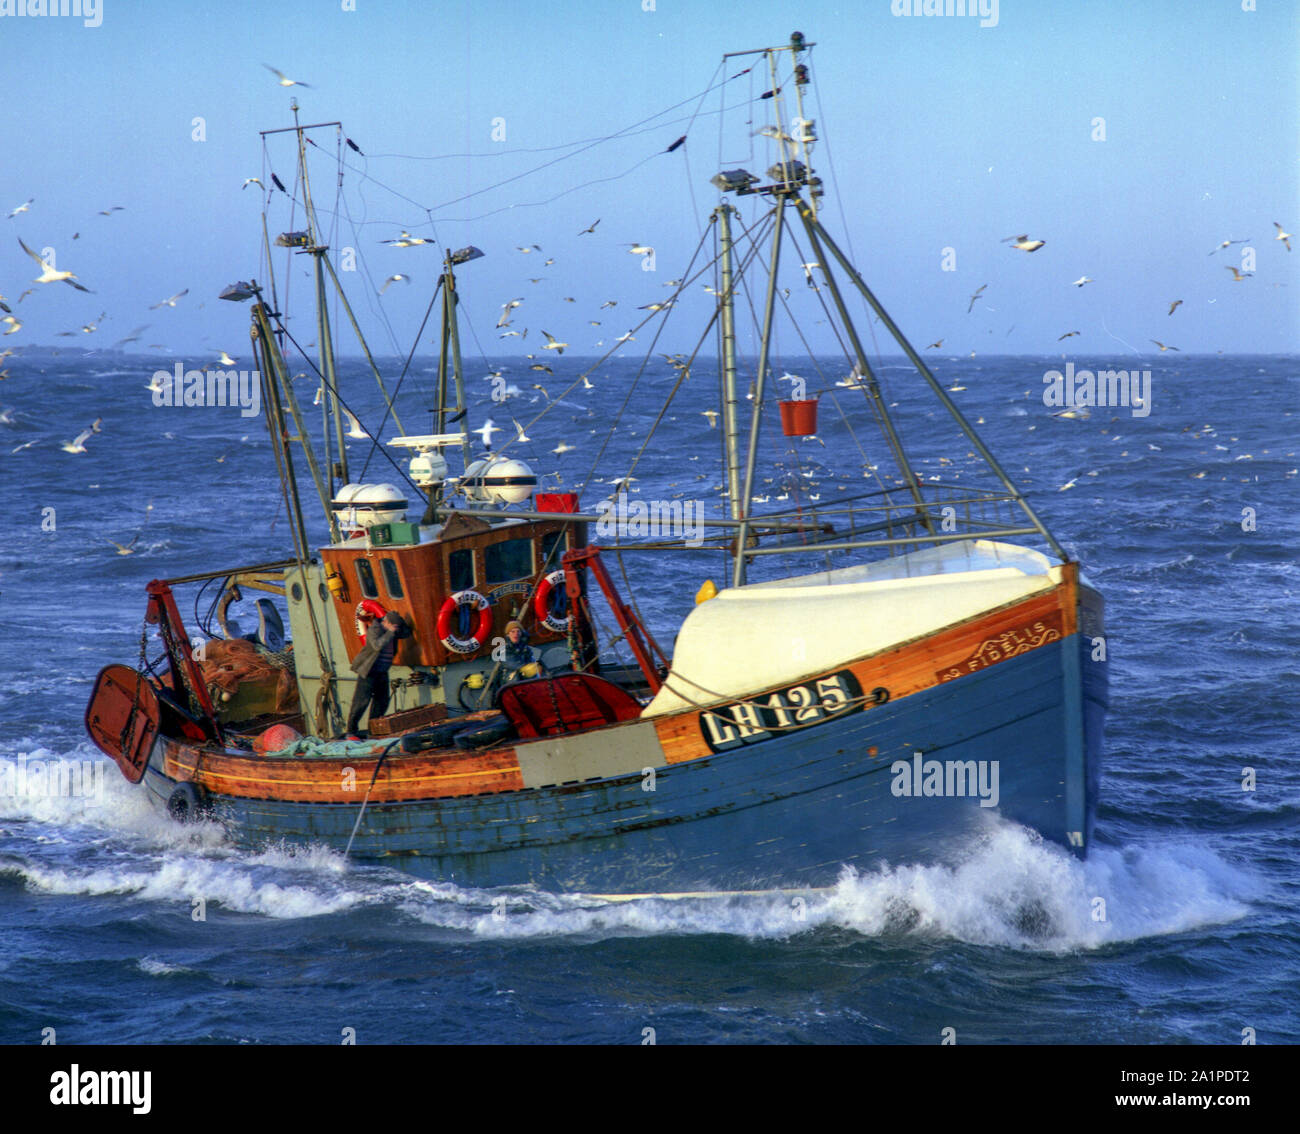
936	133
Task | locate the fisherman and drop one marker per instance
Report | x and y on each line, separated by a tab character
518	653
371	667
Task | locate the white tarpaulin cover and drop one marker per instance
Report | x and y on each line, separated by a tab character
766	634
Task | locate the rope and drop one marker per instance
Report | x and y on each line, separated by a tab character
348	849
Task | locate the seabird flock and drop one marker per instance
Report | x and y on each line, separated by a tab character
49	273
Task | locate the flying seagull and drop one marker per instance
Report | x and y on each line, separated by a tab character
78	444
1024	243
485	431
48	274
1083	280
170	302
1224	244
354	426
1174	306
506	308
978	292
1067	335
591	228
551	344
133	337
406	240
1285	237
14	325
1162	346
392	280
640	249
1237	277
22	208
285	81
110	211
936	345
251	181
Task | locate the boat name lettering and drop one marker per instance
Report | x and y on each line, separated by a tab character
1006	645
496	594
785	710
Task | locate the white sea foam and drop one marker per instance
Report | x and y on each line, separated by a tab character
155	967
1012	890
188	879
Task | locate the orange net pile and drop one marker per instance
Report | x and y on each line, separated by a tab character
228	664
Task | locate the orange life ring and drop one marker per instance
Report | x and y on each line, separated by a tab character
542	604
371	607
450	608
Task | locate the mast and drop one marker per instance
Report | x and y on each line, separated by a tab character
895	442
815	229
275	427
317	250
727	326
755	421
449	353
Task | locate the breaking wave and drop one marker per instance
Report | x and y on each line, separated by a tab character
1009	888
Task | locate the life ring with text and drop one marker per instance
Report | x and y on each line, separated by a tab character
370	607
451	609
546	614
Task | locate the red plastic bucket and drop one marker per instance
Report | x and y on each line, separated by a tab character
799	419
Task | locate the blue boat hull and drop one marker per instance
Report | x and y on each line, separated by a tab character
791	811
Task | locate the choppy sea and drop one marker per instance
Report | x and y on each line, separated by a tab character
1180	927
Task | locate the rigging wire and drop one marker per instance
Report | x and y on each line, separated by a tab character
375	444
397	389
582	148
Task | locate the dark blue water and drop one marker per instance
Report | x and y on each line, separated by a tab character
1180	927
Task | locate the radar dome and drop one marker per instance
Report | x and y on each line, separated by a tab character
499	480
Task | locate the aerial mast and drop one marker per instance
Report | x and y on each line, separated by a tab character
727	330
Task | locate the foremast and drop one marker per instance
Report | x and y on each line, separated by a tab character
788	176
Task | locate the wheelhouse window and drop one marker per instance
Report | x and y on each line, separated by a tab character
551	555
392	580
508	560
366	579
460	569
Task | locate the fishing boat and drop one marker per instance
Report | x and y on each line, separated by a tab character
935	659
